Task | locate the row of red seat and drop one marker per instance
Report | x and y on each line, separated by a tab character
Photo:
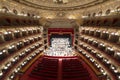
47	69
72	69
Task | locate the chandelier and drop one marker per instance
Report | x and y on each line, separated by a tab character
60	1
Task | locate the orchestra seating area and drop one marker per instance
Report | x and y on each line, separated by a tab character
47	69
53	68
73	69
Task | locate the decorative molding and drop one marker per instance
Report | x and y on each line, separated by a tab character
60	14
60	8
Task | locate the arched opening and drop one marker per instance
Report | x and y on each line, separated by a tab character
94	14
108	12
89	15
28	14
15	11
5	9
100	13
118	9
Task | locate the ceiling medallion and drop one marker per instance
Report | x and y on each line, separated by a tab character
60	14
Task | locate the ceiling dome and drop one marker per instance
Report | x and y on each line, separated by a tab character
60	5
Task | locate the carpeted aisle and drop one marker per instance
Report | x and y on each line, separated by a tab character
60	69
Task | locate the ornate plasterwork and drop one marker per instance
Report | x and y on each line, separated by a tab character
50	5
60	14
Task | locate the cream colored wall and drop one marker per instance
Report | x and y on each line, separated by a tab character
10	5
111	4
75	14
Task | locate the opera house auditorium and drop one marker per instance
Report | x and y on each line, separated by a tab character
59	39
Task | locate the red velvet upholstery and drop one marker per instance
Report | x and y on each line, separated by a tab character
49	69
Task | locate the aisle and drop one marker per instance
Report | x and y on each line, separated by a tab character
60	69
